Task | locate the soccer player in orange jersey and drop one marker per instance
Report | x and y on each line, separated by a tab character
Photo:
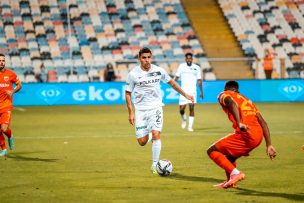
250	127
7	79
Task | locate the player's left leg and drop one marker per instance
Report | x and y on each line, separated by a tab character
5	122
183	115
8	132
156	123
156	149
191	117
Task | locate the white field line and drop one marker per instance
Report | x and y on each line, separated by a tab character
202	134
19	109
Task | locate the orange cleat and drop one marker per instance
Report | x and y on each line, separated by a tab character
222	185
234	179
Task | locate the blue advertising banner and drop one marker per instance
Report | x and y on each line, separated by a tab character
108	93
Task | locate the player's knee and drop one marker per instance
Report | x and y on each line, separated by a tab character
4	128
142	142
182	111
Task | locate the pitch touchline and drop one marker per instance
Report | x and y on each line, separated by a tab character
202	134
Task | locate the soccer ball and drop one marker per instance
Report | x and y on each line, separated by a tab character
164	167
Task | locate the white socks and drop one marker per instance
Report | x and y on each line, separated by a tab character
191	120
235	171
184	117
156	148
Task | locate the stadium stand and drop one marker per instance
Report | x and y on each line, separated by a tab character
37	39
276	24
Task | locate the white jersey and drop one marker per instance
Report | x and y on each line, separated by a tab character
145	86
188	76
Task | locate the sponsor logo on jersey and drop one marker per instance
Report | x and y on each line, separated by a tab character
4	85
147	82
154	74
141	127
6	78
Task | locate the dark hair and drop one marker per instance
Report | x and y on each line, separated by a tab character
231	84
144	50
2	55
188	54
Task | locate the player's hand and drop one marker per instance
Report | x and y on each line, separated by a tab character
9	92
191	98
131	119
243	127
271	152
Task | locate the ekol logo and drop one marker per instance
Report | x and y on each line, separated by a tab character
292	90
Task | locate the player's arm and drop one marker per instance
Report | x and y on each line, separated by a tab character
129	107
233	108
200	85
271	152
177	88
16	89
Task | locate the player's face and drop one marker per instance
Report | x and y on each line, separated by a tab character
2	62
189	60
145	60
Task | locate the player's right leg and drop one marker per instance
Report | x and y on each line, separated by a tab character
5	122
183	115
191	117
2	145
141	127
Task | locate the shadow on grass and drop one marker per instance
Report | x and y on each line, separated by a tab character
179	176
248	192
20	157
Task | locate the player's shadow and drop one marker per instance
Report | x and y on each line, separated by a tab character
248	192
179	176
19	157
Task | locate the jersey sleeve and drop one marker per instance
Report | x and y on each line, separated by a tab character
15	78
129	83
222	97
178	72
199	73
165	77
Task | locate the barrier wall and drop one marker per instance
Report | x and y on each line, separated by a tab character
108	93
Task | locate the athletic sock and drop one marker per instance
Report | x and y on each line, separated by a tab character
191	120
235	171
156	148
8	133
2	142
150	137
184	117
221	161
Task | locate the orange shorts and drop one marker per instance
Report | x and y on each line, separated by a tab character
5	117
238	144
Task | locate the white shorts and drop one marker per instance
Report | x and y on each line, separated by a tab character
183	100
148	120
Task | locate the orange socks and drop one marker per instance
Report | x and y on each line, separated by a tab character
222	161
8	133
2	142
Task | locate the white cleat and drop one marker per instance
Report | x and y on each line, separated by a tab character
190	129
184	123
153	169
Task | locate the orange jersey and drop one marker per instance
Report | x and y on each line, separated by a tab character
247	111
7	79
268	64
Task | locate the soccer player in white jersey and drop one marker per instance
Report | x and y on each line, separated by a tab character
143	82
190	75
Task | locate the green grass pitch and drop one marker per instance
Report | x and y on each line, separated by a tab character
90	154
